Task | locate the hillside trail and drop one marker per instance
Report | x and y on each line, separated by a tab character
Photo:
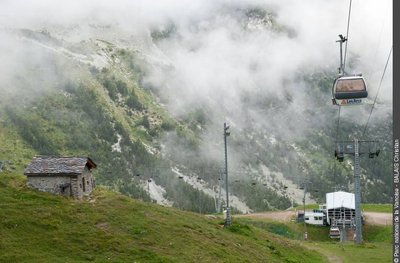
330	256
282	216
378	218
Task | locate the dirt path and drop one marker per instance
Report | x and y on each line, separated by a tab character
376	218
283	216
332	258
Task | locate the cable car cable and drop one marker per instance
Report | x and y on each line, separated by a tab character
347	36
379	87
338	124
348	89
343	70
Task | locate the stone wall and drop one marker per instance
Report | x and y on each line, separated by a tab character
51	184
85	183
79	185
75	187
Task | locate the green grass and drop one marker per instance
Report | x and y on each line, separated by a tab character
14	153
40	227
308	207
366	253
376	247
291	230
383	208
373	233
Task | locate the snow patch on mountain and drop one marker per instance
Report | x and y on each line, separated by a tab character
292	190
157	193
203	186
117	146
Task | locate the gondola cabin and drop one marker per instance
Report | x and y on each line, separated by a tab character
349	90
334	232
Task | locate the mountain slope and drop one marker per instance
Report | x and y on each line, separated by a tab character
109	227
106	113
149	110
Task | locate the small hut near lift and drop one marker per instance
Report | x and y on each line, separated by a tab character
68	176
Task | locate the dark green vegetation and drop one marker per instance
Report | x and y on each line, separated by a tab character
109	227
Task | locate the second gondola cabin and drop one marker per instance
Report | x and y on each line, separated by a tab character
349	88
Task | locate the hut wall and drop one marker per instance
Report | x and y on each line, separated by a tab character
80	185
51	184
85	182
75	187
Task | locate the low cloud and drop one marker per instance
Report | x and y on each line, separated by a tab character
219	51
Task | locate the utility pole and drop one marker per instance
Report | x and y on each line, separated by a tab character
303	186
341	41
228	212
219	190
304	214
343	233
357	192
355	148
200	180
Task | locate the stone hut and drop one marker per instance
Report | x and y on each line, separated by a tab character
68	176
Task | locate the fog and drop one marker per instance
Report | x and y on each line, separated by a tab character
217	54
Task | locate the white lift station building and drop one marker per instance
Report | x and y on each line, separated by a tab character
340	209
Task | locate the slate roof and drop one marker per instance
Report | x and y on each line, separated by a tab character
52	165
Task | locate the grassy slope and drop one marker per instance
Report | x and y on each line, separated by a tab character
14	153
382	208
367	253
39	227
376	247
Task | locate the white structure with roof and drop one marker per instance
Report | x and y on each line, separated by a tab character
316	217
340	208
340	199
